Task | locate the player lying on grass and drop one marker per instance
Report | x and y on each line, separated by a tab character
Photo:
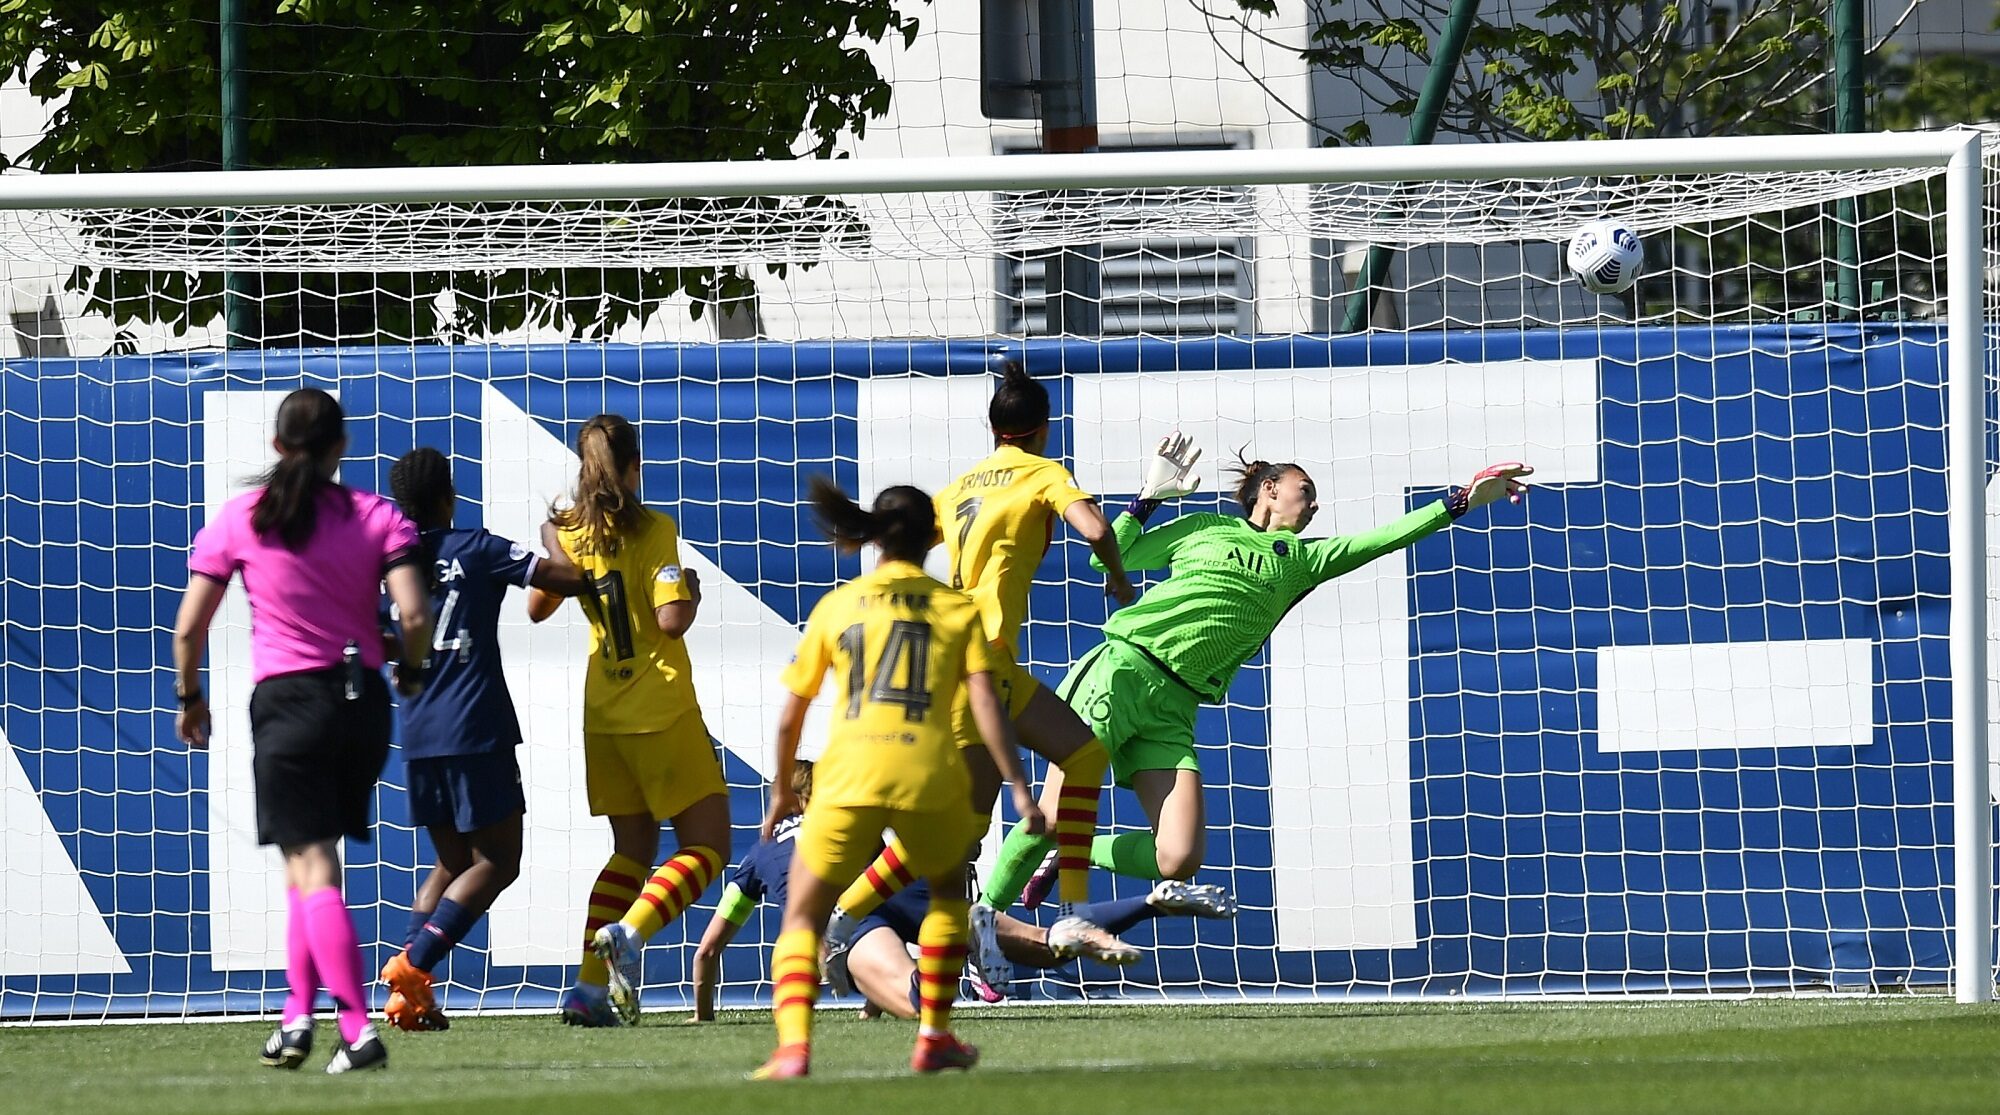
647	756
996	521
902	644
879	963
459	734
1233	579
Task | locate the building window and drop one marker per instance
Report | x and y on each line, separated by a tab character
1156	285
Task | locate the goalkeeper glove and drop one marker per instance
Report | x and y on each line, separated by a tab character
1167	474
1488	485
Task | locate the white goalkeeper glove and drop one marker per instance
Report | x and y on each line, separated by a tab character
1168	473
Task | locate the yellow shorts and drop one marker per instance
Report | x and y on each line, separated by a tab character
838	842
657	773
1016	687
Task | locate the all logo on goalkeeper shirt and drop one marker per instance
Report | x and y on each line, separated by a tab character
1257	563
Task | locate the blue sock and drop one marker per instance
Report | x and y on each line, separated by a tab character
1117	915
417	920
446	927
916	993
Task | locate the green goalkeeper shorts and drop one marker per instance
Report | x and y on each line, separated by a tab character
1144	718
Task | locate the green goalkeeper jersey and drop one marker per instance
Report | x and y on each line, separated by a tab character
1232	583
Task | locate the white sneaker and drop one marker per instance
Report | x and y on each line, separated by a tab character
1198	900
623	954
989	964
1073	936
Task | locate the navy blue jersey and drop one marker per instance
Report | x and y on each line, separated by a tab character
465	708
765	872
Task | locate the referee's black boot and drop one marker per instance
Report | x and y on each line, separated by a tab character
366	1053
288	1048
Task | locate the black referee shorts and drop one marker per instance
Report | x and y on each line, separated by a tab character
317	755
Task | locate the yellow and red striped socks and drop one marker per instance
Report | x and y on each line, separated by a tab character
673	888
940	958
795	983
616	887
1076	820
889	874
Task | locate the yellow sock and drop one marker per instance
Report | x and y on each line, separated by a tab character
795	984
883	879
940	958
617	885
1076	819
673	888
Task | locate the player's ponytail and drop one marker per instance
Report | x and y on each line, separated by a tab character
903	522
802	780
1251	476
1020	406
604	509
311	431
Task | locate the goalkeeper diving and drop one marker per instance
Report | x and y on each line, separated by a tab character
1179	646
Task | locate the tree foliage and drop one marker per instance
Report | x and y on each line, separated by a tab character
356	83
1596	69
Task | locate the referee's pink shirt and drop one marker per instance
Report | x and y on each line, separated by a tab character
307	604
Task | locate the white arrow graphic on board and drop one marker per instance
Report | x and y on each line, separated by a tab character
49	924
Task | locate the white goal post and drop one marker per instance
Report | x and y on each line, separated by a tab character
1374	768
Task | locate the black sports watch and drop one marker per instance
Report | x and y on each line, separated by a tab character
187	697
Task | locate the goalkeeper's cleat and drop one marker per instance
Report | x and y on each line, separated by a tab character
400	1015
1041	882
790	1062
289	1046
622	952
1199	900
411	1004
989	964
581	1008
1073	936
937	1052
364	1053
982	989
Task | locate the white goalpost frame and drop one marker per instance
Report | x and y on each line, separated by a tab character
1958	153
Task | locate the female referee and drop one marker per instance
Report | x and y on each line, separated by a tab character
313	555
902	644
1233	579
646	751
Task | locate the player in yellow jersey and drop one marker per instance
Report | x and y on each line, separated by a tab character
647	753
996	521
903	646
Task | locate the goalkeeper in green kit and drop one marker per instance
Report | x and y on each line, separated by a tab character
1179	645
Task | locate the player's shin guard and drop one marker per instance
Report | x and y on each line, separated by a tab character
940	957
1020	854
1076	819
795	984
673	888
616	888
887	876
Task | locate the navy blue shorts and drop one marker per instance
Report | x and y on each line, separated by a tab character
903	914
465	793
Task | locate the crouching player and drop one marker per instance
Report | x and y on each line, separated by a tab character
902	644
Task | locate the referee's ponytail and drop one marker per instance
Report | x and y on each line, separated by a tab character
903	522
311	434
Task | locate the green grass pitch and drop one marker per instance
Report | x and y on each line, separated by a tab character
1684	1058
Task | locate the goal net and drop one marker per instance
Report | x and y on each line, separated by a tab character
1705	714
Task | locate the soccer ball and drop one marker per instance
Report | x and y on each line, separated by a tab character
1606	257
